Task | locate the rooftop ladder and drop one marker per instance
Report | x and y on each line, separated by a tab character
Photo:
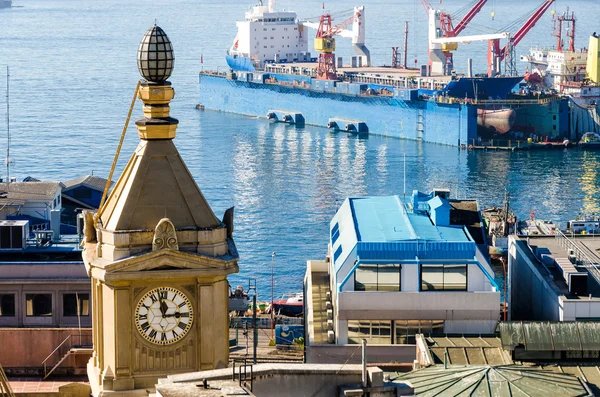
65	349
5	389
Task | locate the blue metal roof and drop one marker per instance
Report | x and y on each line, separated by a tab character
384	219
380	228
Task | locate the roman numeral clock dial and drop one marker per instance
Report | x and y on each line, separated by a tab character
164	315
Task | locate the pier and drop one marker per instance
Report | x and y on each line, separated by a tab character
515	145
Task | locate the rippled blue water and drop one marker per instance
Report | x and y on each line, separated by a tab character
73	72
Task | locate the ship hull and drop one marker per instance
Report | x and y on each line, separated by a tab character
443	123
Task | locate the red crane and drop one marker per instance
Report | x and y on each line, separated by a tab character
469	17
497	54
325	44
447	26
446	19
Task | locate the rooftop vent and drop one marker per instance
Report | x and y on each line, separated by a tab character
442	192
13	234
578	283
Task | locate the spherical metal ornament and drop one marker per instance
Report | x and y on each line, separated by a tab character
155	56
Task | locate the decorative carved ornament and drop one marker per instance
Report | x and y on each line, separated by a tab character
165	236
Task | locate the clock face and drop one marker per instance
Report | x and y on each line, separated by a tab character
164	315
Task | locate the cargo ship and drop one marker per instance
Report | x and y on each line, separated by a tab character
573	74
273	75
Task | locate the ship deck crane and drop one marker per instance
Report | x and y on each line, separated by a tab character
496	54
441	26
325	44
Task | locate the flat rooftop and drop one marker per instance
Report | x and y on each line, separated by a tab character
559	248
385	219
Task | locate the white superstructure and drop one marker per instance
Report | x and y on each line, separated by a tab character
267	35
563	71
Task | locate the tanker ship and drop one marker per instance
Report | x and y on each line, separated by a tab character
273	75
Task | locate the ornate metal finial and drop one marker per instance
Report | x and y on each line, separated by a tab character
165	236
155	55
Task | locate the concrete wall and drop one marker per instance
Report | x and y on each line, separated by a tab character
325	384
531	295
578	309
478	311
53	278
23	349
340	354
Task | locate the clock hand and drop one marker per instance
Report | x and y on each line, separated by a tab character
176	315
163	307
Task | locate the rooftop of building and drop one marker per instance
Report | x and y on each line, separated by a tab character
386	218
493	381
91	181
544	251
466	212
467	350
469	364
21	191
402	228
67	249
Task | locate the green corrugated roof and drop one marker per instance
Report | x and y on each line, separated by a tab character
550	336
493	381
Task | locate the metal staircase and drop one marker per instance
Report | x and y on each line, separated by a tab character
5	389
71	345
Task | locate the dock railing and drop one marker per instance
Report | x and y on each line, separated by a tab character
583	255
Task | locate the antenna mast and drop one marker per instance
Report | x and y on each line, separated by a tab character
7	127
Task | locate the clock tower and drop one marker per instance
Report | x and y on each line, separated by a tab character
157	255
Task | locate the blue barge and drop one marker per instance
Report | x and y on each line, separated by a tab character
429	115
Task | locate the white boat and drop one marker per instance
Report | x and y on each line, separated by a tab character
584	225
537	227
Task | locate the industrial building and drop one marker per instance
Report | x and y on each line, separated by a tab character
554	278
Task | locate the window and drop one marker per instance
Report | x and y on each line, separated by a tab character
337	253
374	331
443	277
7	305
405	330
39	304
377	277
335	233
70	303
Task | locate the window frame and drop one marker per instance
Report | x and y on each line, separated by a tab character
52	304
14	304
443	289
372	324
77	295
377	284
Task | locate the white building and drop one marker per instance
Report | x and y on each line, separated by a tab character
267	35
554	278
38	202
395	269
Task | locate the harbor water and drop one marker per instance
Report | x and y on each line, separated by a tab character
73	71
